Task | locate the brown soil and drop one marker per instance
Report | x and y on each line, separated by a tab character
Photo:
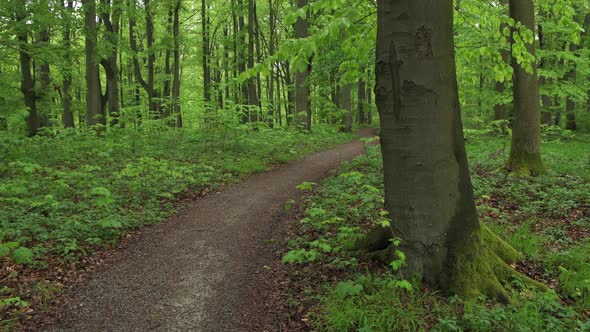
207	268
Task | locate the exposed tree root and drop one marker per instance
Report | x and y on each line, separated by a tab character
479	266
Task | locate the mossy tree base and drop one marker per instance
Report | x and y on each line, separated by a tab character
479	266
525	164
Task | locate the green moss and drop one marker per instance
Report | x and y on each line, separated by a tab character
481	266
523	164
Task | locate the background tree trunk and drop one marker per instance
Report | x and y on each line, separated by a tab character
525	152
345	100
27	85
302	106
93	100
66	98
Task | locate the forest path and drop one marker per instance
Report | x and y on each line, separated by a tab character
199	271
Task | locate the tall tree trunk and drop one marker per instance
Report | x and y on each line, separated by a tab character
43	80
154	105
428	190
110	62
66	98
362	100
93	93
27	85
570	104
369	105
251	83
302	105
545	100
525	152
345	100
206	58
176	66
271	51
242	60
501	109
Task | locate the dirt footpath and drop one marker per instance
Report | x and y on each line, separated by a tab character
199	271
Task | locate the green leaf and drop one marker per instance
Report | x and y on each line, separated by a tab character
348	288
22	255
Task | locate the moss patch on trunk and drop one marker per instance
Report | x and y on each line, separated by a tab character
523	164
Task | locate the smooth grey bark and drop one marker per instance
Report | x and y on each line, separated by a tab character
525	150
428	190
302	102
93	100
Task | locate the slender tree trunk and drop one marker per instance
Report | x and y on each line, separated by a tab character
109	63
66	98
345	100
27	85
501	109
545	100
525	152
176	66
362	100
251	83
43	80
302	106
271	52
369	105
242	60
570	104
206	58
93	99
154	105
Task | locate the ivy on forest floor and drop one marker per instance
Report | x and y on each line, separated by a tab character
547	218
61	198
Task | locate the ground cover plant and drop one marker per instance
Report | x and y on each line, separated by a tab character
63	197
547	218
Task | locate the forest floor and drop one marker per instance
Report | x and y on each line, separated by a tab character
206	269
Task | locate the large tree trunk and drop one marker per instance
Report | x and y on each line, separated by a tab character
93	100
302	105
428	190
525	152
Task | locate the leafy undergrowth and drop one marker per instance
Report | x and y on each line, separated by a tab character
547	218
62	198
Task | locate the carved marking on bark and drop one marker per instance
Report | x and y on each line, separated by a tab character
423	41
394	65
